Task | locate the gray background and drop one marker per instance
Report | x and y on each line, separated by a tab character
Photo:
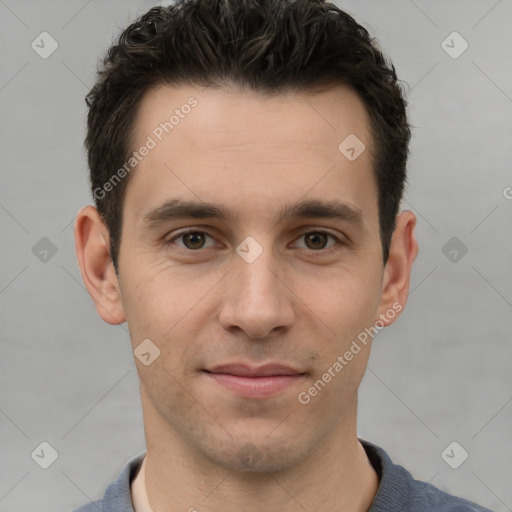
440	374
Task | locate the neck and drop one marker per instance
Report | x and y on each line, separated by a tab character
335	476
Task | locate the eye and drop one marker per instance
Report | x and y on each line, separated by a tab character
191	240
317	240
194	240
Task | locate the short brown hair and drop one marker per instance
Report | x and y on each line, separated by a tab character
269	46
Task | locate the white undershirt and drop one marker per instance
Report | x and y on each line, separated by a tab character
139	492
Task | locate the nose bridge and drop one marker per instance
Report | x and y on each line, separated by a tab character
260	285
256	300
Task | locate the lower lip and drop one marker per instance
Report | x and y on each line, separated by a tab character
255	387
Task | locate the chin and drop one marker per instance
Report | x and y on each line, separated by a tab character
257	454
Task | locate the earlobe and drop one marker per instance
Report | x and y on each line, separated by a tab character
98	274
397	272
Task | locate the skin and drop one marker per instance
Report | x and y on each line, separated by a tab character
295	304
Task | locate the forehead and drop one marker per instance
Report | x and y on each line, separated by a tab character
321	117
227	145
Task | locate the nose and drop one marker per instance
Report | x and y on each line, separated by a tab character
257	299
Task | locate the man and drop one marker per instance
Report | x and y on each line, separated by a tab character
248	159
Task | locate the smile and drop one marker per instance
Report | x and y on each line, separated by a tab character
255	386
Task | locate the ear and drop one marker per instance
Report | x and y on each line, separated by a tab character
98	274
397	271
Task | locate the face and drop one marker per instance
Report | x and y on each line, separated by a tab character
249	239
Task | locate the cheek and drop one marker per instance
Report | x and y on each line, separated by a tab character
345	302
152	293
160	301
346	306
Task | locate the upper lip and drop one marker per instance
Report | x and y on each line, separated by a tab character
244	370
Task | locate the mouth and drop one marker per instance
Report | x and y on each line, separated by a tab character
255	382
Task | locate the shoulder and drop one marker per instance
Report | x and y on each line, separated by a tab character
426	498
118	494
93	506
400	491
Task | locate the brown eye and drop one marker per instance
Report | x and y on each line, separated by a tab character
319	243
194	240
191	240
316	240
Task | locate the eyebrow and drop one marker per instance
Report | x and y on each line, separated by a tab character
179	209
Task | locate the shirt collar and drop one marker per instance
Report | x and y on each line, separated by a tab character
394	484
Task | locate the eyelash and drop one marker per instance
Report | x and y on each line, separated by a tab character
319	252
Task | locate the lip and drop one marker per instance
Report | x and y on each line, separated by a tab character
244	370
255	382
